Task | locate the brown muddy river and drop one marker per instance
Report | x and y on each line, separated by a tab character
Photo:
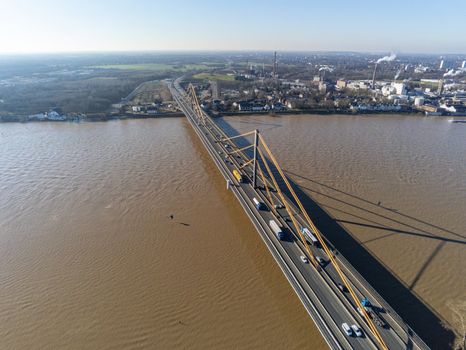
90	258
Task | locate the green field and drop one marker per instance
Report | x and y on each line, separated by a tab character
424	84
208	76
158	67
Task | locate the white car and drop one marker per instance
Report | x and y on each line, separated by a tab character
304	259
321	260
347	329
356	330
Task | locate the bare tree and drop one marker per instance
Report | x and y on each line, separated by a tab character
458	309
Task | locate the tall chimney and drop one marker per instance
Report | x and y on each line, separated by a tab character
373	76
275	64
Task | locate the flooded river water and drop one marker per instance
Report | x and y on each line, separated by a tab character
123	235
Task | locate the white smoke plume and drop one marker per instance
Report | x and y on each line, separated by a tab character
453	73
397	75
386	58
326	68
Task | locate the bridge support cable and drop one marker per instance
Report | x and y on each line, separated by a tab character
269	195
290	212
241	149
195	103
237	136
254	167
245	157
322	242
269	186
246	164
204	118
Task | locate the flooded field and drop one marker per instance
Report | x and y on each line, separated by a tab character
90	258
397	185
122	234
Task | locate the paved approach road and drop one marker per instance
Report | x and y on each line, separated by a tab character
317	288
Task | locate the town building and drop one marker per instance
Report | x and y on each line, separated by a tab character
341	84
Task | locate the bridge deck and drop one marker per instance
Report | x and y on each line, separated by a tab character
316	288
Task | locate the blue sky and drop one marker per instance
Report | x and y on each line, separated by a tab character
314	25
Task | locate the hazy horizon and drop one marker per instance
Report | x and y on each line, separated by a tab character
363	26
251	51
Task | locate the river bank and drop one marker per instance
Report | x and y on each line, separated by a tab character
322	111
97	117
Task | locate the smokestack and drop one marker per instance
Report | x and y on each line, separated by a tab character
397	75
373	76
441	64
275	64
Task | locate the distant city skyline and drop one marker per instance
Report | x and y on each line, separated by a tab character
49	26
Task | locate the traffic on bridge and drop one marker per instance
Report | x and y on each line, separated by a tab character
349	313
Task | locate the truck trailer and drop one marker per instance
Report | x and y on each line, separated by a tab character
277	229
259	205
309	236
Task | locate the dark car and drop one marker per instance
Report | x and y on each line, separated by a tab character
342	287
